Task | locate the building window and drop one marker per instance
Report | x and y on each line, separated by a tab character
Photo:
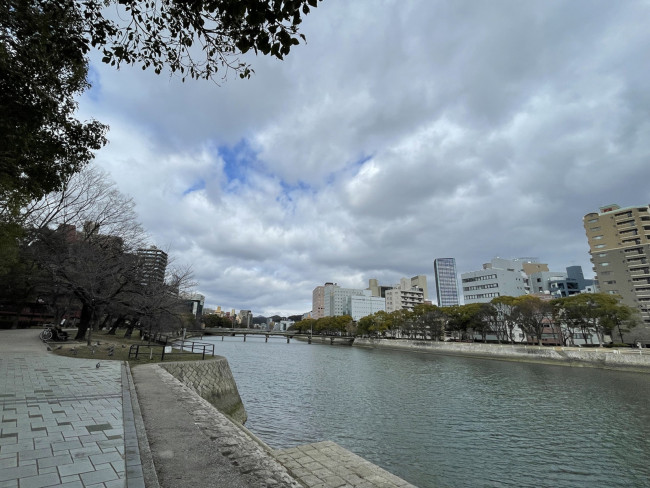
597	238
600	246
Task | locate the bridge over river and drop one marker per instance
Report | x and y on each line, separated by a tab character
322	339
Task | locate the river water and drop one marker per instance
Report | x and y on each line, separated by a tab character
443	421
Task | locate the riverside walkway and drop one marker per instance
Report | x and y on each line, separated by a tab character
66	422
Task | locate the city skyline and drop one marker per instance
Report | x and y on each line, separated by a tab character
394	135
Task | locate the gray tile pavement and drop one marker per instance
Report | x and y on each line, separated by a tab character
61	419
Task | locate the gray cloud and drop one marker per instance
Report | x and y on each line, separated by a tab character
401	132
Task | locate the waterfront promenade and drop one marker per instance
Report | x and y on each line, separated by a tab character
79	423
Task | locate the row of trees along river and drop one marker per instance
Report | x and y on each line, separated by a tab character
559	321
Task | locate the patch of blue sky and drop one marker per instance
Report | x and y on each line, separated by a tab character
196	186
238	159
351	169
95	91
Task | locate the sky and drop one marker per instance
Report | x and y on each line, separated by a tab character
401	132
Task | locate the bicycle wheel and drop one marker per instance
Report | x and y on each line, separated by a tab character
46	335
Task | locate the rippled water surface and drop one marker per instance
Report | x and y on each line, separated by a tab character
442	421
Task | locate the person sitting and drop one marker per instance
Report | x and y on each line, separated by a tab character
58	334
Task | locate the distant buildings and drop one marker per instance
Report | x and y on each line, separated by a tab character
194	304
364	305
444	270
500	277
522	276
619	245
245	319
330	300
403	296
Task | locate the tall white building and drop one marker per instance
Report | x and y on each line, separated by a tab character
330	300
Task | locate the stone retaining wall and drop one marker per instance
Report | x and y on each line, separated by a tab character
213	381
594	357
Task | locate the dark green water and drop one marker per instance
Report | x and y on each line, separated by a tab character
441	421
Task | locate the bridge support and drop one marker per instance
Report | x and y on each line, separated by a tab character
266	338
332	341
244	337
309	340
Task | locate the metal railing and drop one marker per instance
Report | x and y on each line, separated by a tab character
177	348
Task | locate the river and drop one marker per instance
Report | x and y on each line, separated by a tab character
443	421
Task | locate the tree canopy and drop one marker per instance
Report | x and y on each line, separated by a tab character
43	68
44	46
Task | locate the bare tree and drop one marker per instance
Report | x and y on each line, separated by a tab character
84	237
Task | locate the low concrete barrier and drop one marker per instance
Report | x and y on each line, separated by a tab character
594	357
213	381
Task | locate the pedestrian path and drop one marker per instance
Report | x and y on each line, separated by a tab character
90	424
61	418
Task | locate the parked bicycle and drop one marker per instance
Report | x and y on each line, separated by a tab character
53	333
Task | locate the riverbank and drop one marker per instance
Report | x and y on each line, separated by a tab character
619	359
193	437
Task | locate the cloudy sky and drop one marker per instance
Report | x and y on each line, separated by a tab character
401	132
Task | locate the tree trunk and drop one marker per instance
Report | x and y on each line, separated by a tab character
115	326
84	322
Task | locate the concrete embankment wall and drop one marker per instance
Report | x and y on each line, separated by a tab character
213	381
589	357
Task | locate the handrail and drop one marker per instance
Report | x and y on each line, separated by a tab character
196	347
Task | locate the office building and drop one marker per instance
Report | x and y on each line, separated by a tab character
330	300
619	245
499	277
360	306
444	270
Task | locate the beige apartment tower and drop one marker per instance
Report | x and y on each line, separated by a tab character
619	244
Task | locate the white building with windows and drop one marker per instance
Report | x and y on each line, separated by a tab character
500	277
360	306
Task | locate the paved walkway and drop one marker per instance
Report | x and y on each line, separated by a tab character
67	422
62	419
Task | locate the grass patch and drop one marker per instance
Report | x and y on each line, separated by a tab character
116	348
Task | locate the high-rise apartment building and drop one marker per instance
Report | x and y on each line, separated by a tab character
619	244
153	264
444	270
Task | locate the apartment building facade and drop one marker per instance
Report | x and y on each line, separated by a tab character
619	245
403	296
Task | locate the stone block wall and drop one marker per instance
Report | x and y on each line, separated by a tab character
598	357
213	381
